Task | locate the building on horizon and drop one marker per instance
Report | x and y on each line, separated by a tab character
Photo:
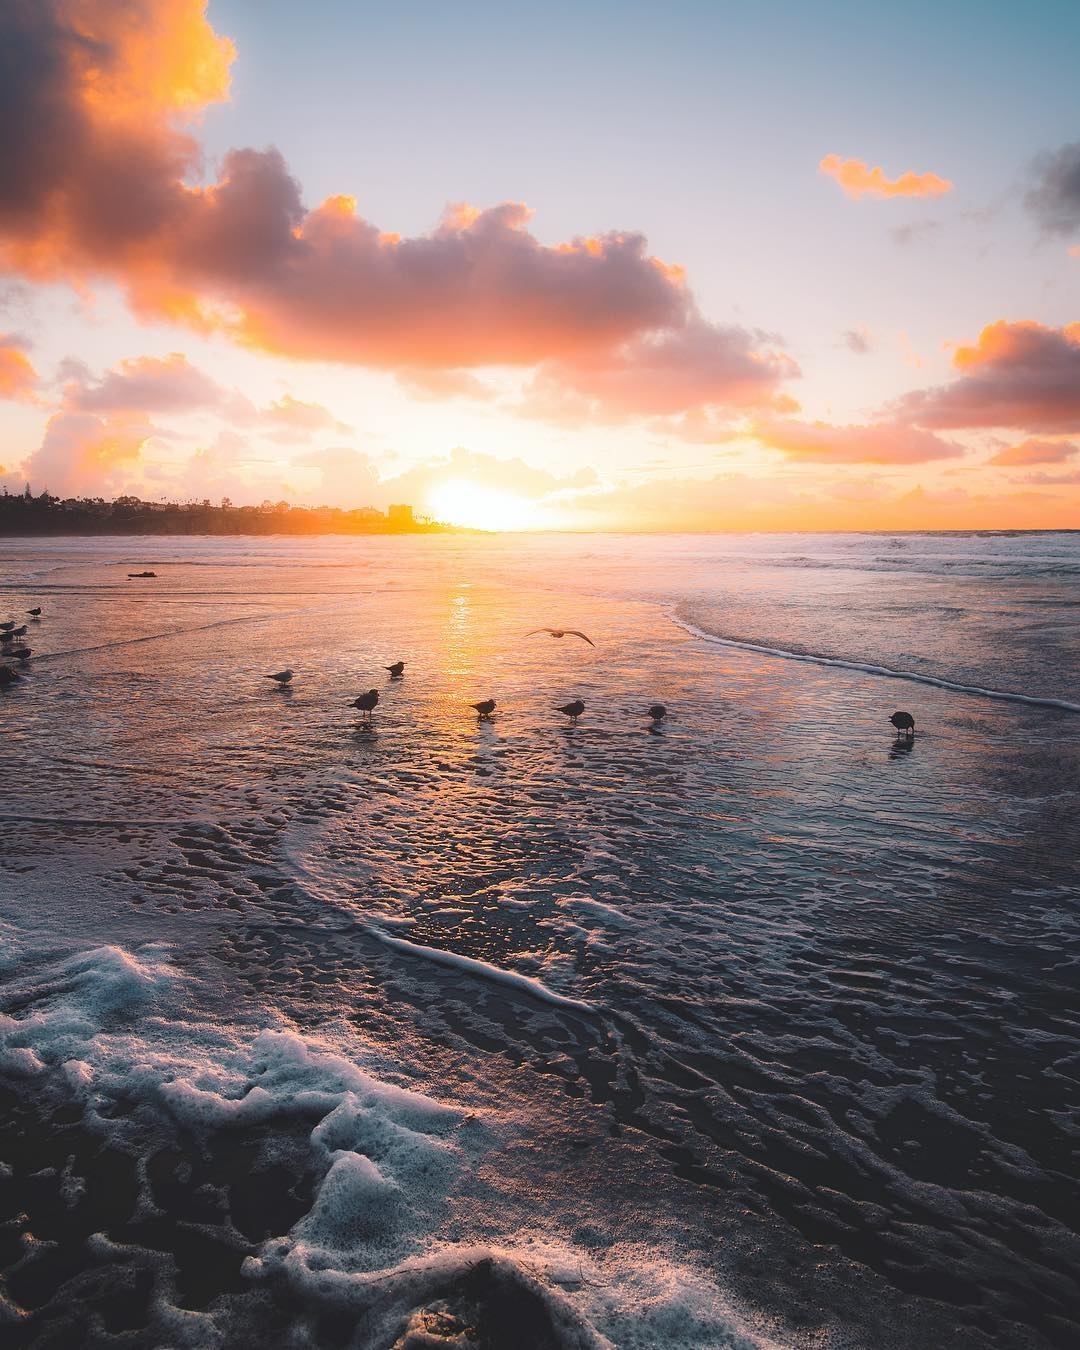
400	517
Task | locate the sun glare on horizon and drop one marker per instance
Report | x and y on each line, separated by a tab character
477	507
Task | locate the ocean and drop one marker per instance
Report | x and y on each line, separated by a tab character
757	1027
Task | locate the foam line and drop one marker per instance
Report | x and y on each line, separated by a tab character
473	967
1031	699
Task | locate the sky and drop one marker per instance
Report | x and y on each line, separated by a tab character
705	266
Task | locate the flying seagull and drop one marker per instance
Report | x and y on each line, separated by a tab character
484	708
366	703
657	712
283	677
572	710
563	632
396	670
903	722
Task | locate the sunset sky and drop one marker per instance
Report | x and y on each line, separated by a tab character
616	265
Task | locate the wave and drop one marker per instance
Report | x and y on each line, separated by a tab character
867	668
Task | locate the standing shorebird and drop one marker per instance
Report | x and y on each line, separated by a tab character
396	670
8	626
572	710
20	653
8	676
563	632
282	677
17	632
35	612
366	703
657	712
904	723
484	708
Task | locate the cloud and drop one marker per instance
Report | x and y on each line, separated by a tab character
877	443
106	183
1054	198
859	340
146	384
675	371
915	231
85	455
18	378
857	179
291	419
1036	452
1016	375
1071	479
433	385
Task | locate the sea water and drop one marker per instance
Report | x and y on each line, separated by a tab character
757	1027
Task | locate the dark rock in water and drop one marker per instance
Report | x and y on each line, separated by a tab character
491	1306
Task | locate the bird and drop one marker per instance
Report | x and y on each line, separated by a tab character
563	632
8	676
35	612
283	677
484	708
17	632
572	710
396	670
366	703
20	653
903	722
657	712
8	625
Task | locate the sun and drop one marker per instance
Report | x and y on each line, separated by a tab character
476	507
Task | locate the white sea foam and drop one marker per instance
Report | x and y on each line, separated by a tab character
112	1025
867	669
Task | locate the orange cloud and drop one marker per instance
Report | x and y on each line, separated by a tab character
85	455
104	182
1016	375
1036	452
877	443
18	378
859	180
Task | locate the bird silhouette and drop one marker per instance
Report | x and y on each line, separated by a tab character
396	670
282	677
366	703
8	625
20	653
904	723
657	712
17	632
572	710
35	612
563	632
484	708
8	676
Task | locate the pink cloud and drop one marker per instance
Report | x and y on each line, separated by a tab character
1016	375
147	384
877	443
1036	452
858	180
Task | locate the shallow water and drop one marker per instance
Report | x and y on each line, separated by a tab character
756	1028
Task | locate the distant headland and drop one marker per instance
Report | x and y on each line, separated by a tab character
24	514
